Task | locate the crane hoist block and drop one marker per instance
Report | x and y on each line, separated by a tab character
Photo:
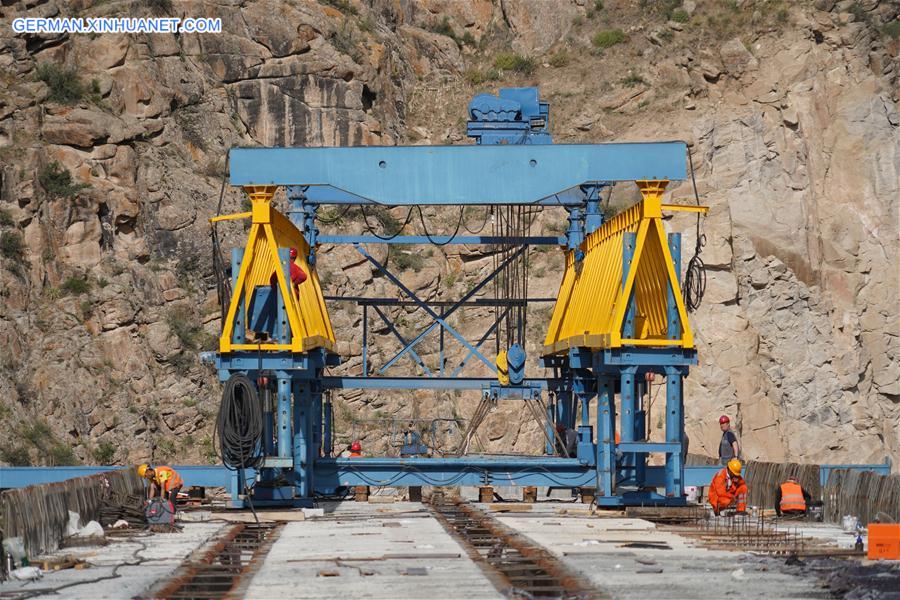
597	291
308	323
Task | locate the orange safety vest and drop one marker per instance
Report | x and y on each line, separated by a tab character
355	454
167	478
792	497
728	491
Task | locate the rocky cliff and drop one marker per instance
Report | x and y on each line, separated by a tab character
112	152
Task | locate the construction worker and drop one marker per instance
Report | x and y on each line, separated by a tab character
791	498
164	481
728	489
298	276
355	449
729	447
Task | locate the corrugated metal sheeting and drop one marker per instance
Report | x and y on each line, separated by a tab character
40	513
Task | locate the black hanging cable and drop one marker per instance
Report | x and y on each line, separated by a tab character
239	426
336	219
694	286
487	215
220	265
430	237
388	237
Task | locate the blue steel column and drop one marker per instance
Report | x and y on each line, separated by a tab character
640	430
302	443
284	418
626	417
674	326
327	441
674	431
606	438
237	335
629	242
593	217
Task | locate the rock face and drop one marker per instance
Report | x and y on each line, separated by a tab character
109	173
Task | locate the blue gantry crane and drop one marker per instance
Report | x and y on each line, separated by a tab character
618	320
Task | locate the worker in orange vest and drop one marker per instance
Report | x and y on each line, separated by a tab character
728	489
791	498
164	481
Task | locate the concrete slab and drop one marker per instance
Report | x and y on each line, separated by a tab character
359	550
122	569
595	546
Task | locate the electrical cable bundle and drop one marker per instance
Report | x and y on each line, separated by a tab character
694	286
239	427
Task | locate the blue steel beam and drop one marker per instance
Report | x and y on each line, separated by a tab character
437	318
444	239
421	383
453	308
326	470
482	174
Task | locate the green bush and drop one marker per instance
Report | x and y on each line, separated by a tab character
406	259
11	245
186	328
76	285
560	59
444	28
892	30
6	219
608	38
342	5
16	456
58	182
65	85
632	80
62	455
516	63
105	453
477	76
679	15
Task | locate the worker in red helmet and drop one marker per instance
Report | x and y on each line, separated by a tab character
728	489
355	449
729	447
298	276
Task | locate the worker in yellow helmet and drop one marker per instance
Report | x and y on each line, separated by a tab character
164	482
728	489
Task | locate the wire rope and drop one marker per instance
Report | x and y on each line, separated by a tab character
694	286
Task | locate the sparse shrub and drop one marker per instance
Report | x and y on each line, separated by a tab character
187	329
608	38
57	181
559	59
65	85
406	259
345	42
105	453
16	456
342	5
781	15
859	13
6	219
516	63
12	246
76	285
598	5
444	28
892	30
679	15
477	76
159	6
468	39
62	455
632	80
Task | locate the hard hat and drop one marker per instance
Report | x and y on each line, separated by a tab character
142	469
734	466
792	478
356	446
293	253
724	419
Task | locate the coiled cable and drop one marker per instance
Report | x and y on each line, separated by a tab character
239	427
694	286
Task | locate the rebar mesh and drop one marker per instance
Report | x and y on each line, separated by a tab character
40	513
